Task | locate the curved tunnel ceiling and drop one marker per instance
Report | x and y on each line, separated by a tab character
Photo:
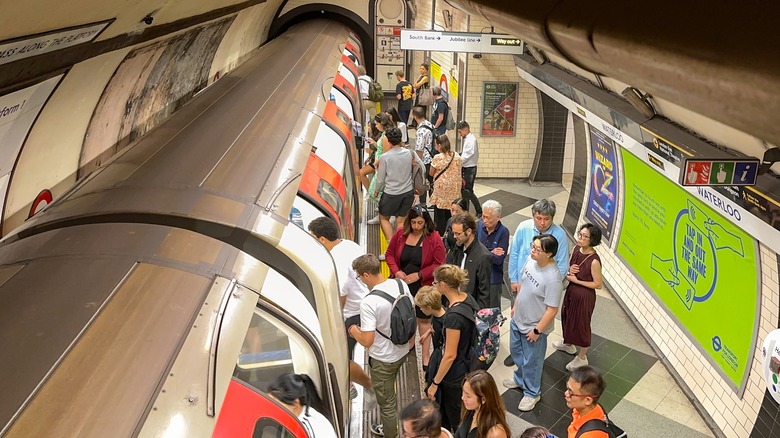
720	60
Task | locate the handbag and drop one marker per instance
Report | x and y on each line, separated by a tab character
425	97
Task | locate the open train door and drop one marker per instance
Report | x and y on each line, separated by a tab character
246	412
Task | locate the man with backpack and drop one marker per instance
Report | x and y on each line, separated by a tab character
583	389
441	110
424	143
368	92
387	328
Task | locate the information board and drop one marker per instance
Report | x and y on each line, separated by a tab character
699	265
499	108
602	196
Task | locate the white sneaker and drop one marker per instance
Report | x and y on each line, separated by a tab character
566	348
381	257
576	363
528	403
510	383
373	221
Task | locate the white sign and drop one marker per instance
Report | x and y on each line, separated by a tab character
462	42
759	229
771	354
27	47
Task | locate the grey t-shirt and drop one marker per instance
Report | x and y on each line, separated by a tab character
539	288
394	174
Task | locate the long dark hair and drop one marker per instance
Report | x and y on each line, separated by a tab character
394	116
419	211
290	387
492	412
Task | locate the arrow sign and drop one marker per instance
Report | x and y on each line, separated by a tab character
463	42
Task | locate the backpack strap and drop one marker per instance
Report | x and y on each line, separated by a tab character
388	297
591	425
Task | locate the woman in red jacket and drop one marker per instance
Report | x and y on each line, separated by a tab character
412	255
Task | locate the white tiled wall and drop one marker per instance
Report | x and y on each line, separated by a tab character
502	157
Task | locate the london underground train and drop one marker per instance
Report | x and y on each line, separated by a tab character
165	291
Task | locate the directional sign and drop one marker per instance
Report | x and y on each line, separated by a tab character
462	42
719	172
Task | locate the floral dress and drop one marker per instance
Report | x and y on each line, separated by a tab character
446	187
377	154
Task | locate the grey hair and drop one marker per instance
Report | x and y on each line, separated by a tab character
492	205
544	206
436	90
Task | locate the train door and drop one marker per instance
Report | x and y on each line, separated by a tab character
325	187
340	123
346	97
271	341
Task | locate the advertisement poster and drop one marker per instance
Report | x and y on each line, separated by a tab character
771	364
603	186
699	265
499	108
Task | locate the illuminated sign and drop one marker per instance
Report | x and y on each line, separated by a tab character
719	172
463	42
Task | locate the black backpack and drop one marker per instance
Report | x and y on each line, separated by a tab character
403	323
604	426
432	146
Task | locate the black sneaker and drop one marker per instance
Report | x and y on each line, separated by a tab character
509	361
377	430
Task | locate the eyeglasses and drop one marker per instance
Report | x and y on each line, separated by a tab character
536	248
583	236
572	394
357	277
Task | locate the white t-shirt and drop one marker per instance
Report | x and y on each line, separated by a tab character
316	425
349	286
470	152
364	82
375	314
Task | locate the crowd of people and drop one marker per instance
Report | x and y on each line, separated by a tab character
448	267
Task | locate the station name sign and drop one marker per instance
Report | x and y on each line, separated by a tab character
719	172
463	42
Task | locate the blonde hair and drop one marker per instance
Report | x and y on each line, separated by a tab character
452	276
428	297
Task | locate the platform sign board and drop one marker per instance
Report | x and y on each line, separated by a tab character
26	47
604	176
700	266
462	42
719	172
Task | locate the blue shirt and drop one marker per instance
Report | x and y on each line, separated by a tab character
499	238
521	248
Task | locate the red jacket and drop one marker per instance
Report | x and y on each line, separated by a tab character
433	255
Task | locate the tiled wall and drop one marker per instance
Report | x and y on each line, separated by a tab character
499	157
549	164
733	415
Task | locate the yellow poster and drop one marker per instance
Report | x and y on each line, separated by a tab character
453	88
435	73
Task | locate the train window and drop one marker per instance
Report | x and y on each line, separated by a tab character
347	53
343	102
329	194
347	73
307	211
344	117
268	351
270	428
331	148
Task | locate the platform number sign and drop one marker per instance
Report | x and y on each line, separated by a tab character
717	172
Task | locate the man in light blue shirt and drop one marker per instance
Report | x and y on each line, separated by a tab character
541	222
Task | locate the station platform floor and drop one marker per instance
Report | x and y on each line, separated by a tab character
641	396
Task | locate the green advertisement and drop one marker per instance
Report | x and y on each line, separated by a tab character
699	265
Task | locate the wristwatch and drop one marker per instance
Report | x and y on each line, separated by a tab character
536	332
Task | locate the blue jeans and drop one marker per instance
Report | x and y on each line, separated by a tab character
469	174
529	359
